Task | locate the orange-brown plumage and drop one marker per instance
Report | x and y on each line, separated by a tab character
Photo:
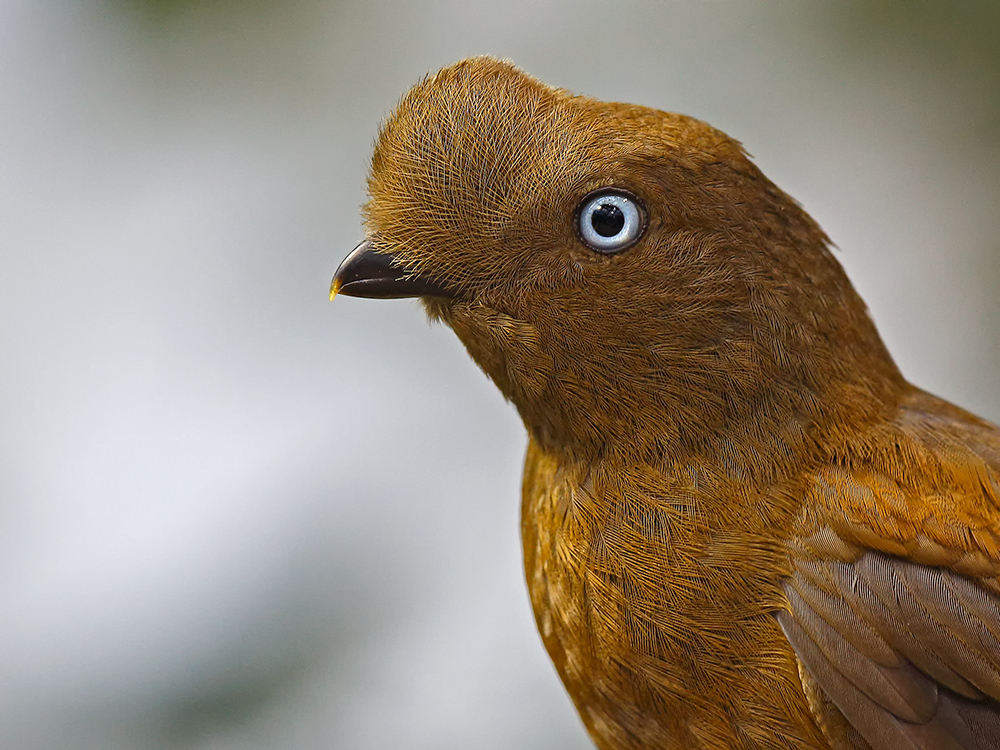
742	527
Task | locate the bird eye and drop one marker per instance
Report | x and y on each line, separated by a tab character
610	221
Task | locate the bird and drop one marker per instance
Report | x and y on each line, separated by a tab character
742	527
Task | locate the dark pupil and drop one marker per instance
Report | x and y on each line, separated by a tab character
607	220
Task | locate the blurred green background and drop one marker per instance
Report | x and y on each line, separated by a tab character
234	515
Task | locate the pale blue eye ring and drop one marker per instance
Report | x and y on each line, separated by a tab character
610	221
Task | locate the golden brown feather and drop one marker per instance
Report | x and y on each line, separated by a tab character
742	528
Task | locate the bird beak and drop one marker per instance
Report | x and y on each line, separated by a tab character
369	273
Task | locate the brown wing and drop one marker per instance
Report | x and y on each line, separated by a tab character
894	597
909	654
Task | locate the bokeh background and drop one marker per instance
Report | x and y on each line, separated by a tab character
234	515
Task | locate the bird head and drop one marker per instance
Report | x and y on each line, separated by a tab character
626	276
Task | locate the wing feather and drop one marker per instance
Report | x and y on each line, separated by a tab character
897	688
894	591
907	653
879	727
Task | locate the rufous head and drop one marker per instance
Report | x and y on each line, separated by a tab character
626	276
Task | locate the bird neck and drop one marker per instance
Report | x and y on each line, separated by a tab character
748	409
747	420
744	432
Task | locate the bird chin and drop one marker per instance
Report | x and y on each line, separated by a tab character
438	309
446	309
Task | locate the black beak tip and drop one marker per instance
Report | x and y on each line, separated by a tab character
369	273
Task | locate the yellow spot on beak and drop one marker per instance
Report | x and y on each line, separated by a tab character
334	288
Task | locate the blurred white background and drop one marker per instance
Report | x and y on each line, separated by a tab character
234	515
